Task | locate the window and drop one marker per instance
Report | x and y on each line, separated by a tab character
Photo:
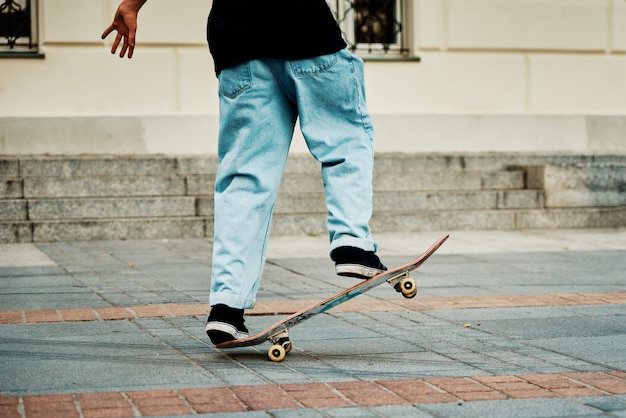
374	28
18	27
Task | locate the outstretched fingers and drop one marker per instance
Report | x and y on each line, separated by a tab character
125	24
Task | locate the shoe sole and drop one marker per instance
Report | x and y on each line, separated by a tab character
357	270
220	332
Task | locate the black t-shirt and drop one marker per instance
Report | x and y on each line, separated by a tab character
243	30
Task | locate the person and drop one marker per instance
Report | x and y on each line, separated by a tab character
277	62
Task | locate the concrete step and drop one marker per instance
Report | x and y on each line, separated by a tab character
450	220
581	185
309	203
313	224
449	180
86	166
135	207
94	166
58	187
484	161
120	207
103	229
159	185
13	209
394	162
453	200
11	188
396	181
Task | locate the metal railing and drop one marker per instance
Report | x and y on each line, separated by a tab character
18	26
373	27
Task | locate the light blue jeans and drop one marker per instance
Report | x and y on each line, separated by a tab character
260	101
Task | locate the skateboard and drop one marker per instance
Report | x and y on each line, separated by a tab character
278	334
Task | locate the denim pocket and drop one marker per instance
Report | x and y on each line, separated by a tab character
235	80
313	66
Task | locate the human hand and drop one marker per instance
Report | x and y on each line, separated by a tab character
125	23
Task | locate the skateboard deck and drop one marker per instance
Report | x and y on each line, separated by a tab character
278	334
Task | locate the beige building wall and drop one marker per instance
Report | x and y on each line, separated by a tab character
494	75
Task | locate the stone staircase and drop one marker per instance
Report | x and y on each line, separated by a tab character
146	197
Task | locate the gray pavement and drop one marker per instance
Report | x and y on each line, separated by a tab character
457	328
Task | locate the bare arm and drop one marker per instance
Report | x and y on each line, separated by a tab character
125	23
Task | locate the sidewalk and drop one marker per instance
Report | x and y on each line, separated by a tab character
512	324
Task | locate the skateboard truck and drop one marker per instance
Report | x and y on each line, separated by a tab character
281	345
404	284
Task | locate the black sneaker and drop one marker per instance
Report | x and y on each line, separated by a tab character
355	262
225	324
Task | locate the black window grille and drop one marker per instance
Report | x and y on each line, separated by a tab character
373	27
18	26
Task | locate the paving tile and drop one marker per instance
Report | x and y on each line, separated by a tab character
104	405
11	317
9	407
158	402
618	373
108	413
562	385
148	311
367	393
518	389
400	411
102	400
529	393
297	413
248	414
79	314
186	309
264	398
498	379
466	389
42	315
604	403
580	391
602	381
114	313
50	405
316	395
212	400
417	391
9	401
512	408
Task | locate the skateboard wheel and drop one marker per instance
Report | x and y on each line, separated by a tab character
277	353
287	346
408	288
